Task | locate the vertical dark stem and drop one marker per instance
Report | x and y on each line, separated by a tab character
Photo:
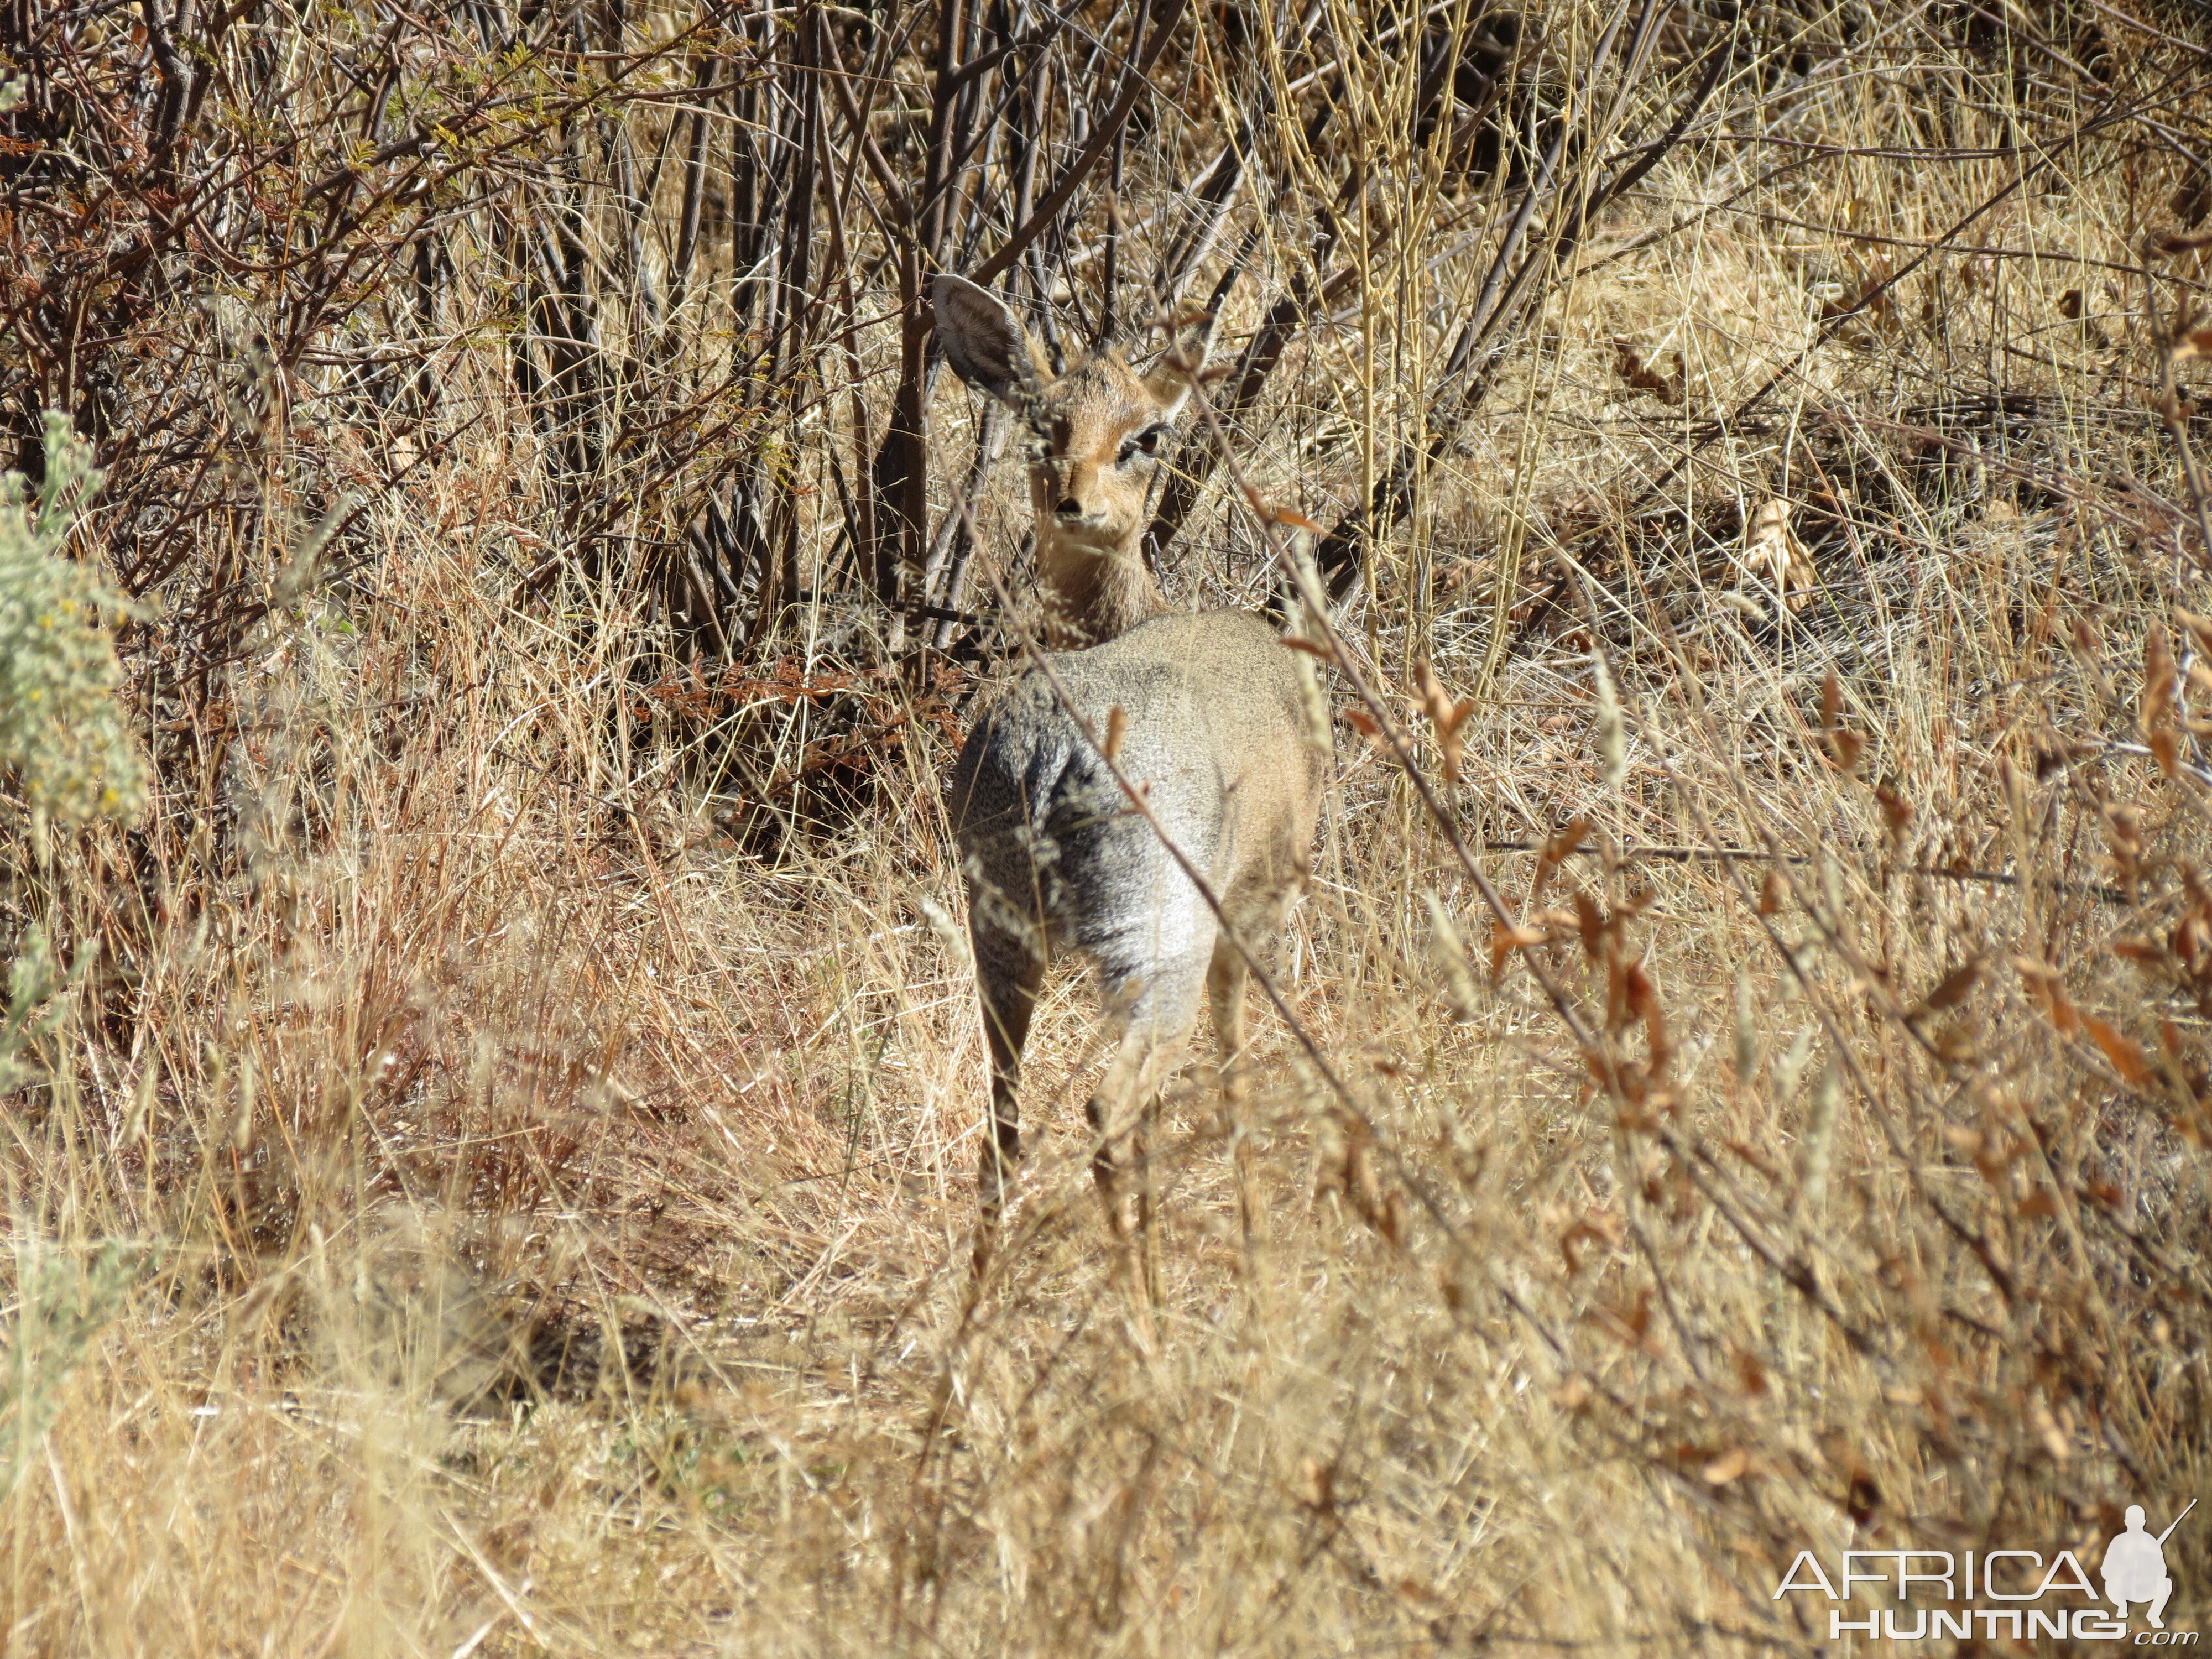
797	259
636	203
1036	106
935	206
1109	277
694	187
990	438
175	73
779	576
745	194
857	500
901	470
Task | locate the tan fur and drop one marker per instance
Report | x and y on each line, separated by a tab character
1214	735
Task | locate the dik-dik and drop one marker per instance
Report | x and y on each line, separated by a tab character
1214	732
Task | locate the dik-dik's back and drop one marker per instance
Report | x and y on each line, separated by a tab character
1214	733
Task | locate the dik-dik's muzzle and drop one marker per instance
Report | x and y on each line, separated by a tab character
1076	502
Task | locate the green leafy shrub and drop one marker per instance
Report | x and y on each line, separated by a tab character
62	732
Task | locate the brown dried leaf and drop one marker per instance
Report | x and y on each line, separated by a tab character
1601	1227
2048	992
1556	851
2126	1054
1843	745
1955	985
1117	728
1320	1494
1503	941
2158	701
1773	555
1727	1467
2065	1018
2124	836
1640	1318
1896	810
1590	921
2089	647
1770	892
1667	389
1625	1326
1750	1374
1641	996
1444	716
1564	841
1391	1222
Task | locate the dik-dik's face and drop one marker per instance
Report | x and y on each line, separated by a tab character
1095	441
1096	433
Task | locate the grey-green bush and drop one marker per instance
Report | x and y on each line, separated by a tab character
61	731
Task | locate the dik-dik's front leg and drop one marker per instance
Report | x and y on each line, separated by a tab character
1008	971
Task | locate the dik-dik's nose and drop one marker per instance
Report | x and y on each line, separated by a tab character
1077	501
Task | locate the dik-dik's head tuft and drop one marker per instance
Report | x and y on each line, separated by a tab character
1096	432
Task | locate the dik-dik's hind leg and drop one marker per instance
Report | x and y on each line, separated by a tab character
1008	971
1154	1022
1224	991
1118	1112
1226	978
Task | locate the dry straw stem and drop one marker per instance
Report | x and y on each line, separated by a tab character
495	1173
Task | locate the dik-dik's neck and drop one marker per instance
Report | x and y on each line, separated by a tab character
1092	596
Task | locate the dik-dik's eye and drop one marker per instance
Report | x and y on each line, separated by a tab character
1146	443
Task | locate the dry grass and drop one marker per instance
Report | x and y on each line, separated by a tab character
469	1200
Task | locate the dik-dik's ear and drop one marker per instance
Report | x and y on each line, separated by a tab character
1169	377
985	345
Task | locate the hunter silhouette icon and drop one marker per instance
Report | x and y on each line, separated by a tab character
2135	1566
